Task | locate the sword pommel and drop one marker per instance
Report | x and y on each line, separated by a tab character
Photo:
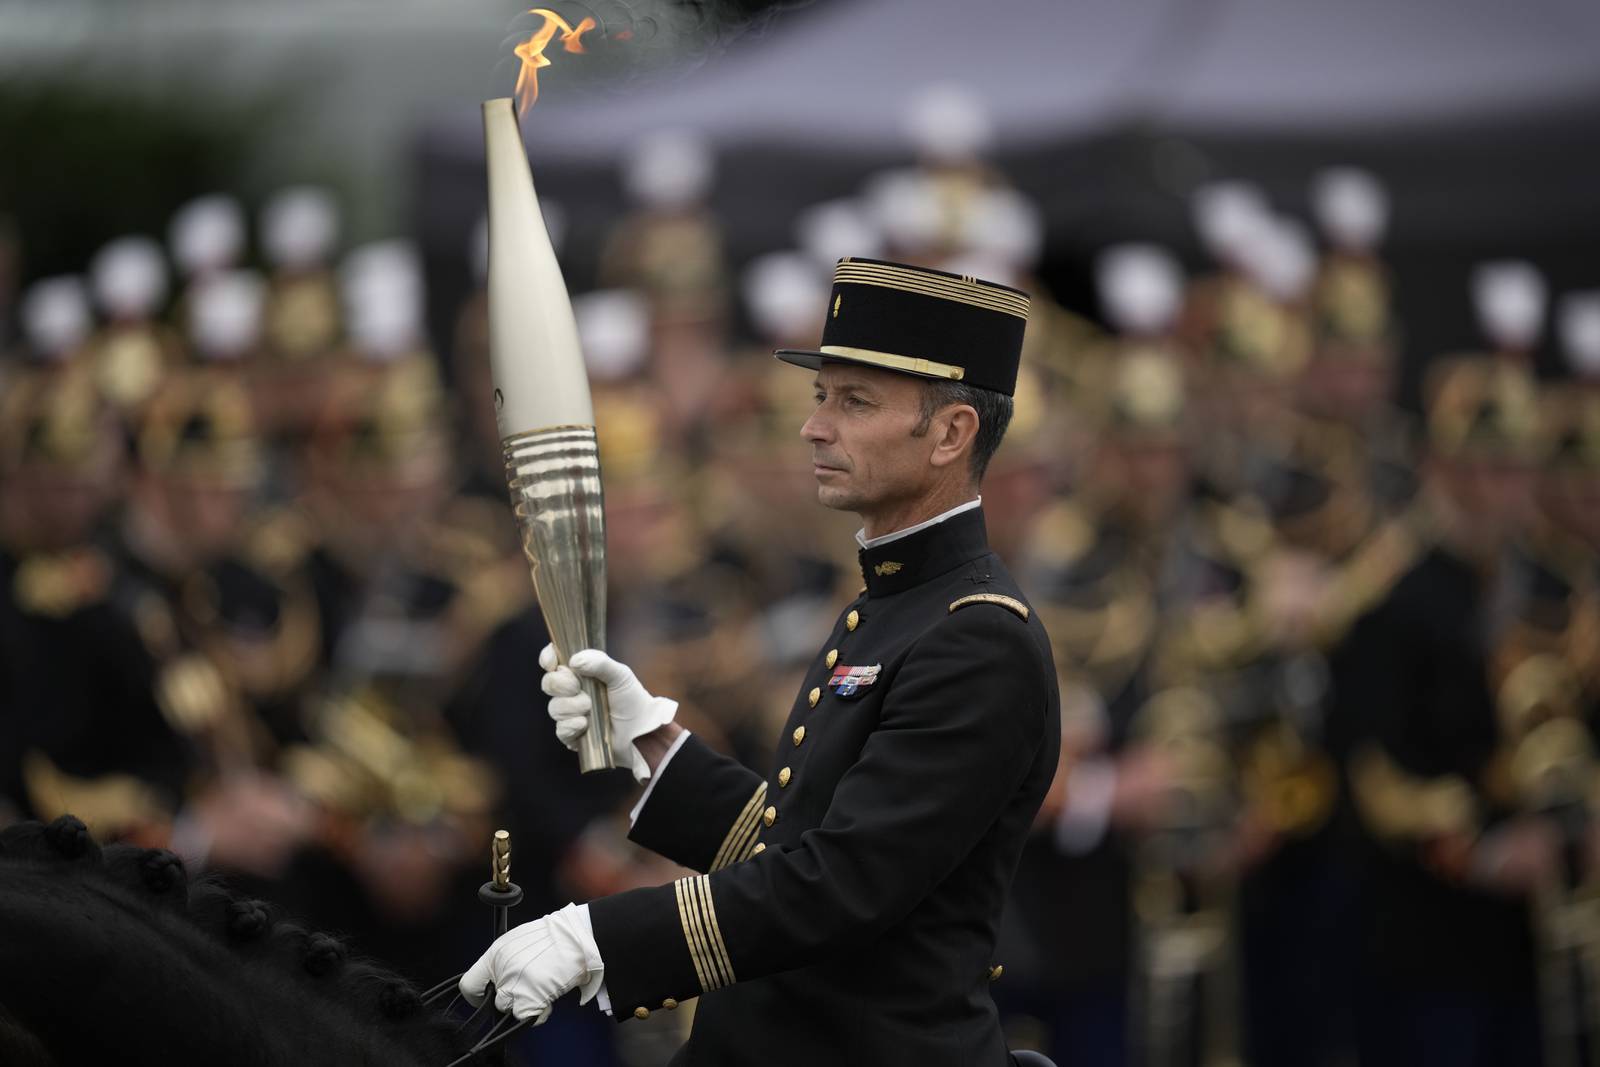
500	861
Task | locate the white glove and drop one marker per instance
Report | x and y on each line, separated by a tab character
535	964
634	712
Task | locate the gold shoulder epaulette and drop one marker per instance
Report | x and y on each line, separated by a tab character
57	584
992	598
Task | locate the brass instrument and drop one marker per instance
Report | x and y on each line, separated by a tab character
1550	768
1183	903
369	759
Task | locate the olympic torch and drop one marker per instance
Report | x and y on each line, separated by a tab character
541	399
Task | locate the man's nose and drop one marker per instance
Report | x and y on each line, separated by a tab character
816	428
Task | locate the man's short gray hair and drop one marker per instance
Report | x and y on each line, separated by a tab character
994	415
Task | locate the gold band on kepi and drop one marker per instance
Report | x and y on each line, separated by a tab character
922	322
909	364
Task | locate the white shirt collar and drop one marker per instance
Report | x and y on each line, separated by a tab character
873	542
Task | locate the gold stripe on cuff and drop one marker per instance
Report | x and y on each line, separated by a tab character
748	849
708	951
720	963
691	924
743	827
894	362
740	841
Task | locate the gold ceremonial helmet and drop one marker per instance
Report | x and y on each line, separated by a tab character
201	426
1478	407
383	416
1351	302
52	416
1257	334
1147	395
1569	421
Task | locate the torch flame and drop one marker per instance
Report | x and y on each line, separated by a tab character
531	52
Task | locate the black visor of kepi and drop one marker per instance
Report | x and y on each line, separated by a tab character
922	322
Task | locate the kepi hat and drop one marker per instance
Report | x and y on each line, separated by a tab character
922	322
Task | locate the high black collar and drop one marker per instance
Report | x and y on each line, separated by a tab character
909	561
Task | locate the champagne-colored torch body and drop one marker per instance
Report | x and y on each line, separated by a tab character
546	418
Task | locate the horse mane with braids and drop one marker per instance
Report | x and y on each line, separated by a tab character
112	955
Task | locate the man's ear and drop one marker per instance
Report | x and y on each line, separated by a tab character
956	427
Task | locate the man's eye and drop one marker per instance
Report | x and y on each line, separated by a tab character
819	398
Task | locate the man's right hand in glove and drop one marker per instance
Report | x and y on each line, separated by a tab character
635	714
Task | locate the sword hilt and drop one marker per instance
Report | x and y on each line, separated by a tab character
500	892
500	860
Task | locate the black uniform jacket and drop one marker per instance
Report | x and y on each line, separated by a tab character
1412	678
849	903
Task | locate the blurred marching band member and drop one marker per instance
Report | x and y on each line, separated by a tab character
1511	299
302	322
206	236
1448	968
670	249
228	624
56	320
1102	567
133	349
1547	672
1350	380
92	739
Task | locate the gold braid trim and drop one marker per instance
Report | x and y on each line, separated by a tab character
1400	806
691	936
736	846
698	914
961	290
992	598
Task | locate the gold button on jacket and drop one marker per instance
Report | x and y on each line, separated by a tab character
814	696
833	657
799	735
783	778
641	1013
852	620
770	816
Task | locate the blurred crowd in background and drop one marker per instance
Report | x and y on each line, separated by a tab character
1329	667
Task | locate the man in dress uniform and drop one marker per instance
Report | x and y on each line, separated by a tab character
848	902
1452	868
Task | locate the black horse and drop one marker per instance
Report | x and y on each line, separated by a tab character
114	956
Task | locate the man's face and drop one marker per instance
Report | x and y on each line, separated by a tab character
1495	495
1150	478
862	450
